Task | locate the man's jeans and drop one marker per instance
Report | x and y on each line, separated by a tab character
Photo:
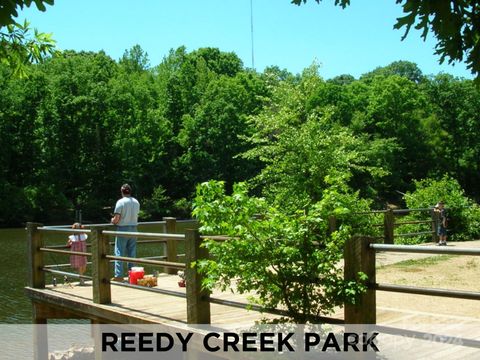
125	246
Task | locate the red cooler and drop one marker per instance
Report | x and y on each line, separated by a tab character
135	273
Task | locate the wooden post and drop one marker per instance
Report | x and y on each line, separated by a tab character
100	266
171	228
198	300
35	256
389	225
360	258
435	215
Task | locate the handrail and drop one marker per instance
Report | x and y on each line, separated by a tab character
145	235
359	256
425	249
90	263
217	237
66	273
65	246
405	211
63	230
370	212
153	241
153	223
457	294
163	222
147	261
398	223
101	284
415	234
66	252
57	266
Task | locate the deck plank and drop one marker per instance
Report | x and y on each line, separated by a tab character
131	305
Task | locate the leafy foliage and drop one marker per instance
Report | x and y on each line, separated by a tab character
82	124
287	259
463	213
305	149
404	69
453	130
9	9
18	48
454	24
214	135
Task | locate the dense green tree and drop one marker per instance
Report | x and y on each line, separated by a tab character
334	96
305	149
344	79
71	120
453	130
18	147
165	80
288	259
187	85
405	69
141	135
212	138
135	60
462	212
81	124
395	109
273	75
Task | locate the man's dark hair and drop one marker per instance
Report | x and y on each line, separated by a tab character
126	189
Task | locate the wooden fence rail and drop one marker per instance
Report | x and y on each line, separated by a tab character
390	223
359	256
198	305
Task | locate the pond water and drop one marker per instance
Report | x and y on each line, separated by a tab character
15	306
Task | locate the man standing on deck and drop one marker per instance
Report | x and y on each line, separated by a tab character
125	216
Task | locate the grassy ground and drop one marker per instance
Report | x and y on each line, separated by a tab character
443	271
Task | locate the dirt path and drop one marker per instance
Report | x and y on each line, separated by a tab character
432	271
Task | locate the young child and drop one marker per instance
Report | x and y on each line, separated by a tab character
77	242
441	216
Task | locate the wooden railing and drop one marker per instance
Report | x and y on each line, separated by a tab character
392	219
198	308
198	300
360	257
390	223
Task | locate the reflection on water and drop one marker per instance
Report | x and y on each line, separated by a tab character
16	307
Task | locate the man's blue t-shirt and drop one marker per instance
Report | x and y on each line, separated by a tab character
128	208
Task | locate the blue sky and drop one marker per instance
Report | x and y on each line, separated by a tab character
352	41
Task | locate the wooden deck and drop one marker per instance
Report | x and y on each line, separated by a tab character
136	306
103	303
132	305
